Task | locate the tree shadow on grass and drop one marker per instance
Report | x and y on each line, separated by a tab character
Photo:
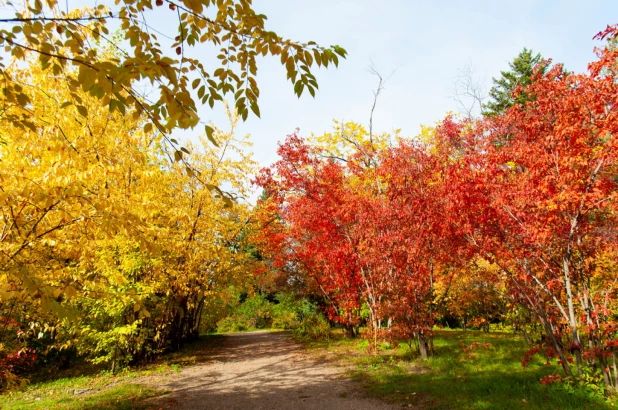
470	370
480	390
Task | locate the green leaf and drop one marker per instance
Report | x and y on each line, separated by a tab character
255	109
209	132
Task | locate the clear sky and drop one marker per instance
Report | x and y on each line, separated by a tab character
426	42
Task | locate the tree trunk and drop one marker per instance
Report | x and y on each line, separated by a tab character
423	346
572	317
615	370
550	332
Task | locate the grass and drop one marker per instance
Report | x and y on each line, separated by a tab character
59	395
99	391
84	386
489	376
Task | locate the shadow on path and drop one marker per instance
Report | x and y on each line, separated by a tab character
262	370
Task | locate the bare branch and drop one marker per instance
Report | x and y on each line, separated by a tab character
469	91
376	93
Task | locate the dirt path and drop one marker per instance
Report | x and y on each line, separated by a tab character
263	370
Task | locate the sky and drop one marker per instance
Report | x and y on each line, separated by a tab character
426	43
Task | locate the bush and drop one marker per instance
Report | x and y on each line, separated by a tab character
314	327
230	324
288	313
254	313
285	320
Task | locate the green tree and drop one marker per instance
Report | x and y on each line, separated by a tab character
520	74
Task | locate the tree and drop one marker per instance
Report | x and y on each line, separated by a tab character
520	75
103	237
542	206
360	219
67	42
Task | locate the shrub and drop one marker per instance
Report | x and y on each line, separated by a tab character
255	312
313	326
230	324
288	313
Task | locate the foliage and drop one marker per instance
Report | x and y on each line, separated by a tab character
286	312
508	89
109	249
314	326
542	206
253	313
112	242
61	39
476	295
511	217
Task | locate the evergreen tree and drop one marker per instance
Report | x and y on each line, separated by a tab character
520	73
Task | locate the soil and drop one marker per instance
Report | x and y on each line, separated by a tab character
262	370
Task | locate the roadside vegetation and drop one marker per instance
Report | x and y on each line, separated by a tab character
470	370
99	391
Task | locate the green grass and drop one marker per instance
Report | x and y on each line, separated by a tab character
100	391
492	378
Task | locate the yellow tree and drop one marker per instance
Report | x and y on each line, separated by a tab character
103	230
65	185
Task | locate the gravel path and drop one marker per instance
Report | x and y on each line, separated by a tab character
263	370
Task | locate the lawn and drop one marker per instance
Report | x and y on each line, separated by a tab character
487	376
